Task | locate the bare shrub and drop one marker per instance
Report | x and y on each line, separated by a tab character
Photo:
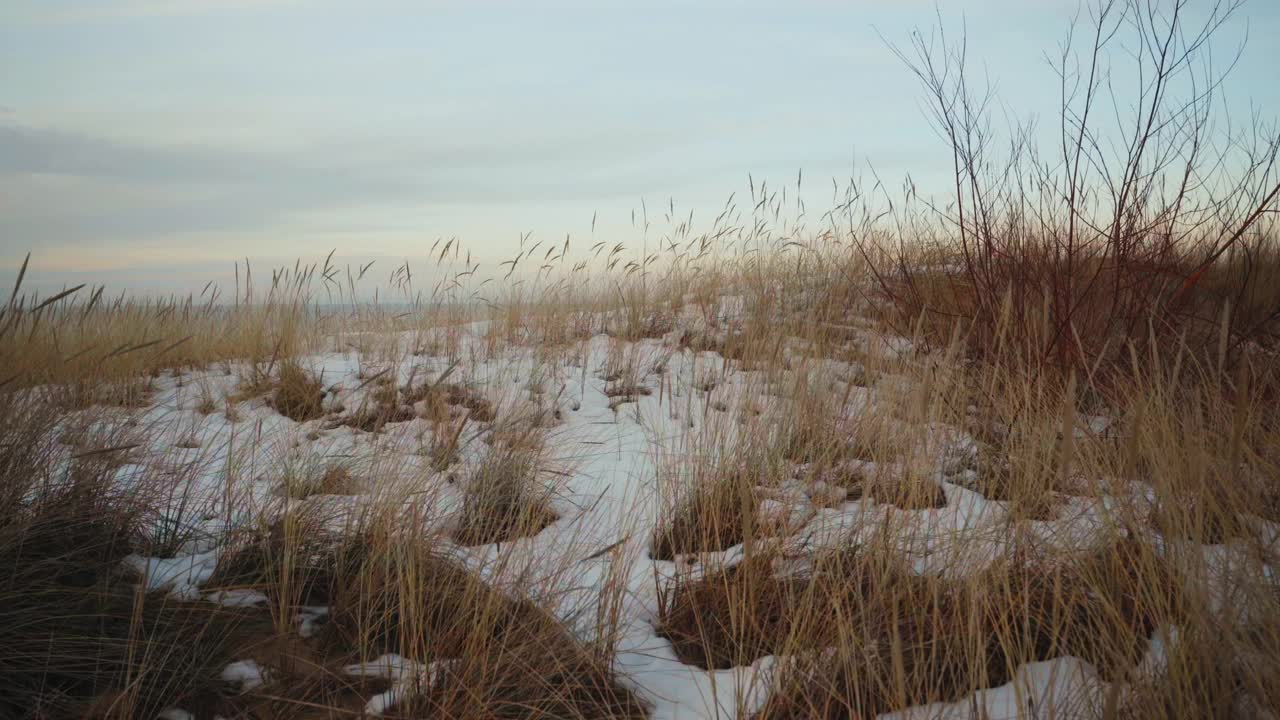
1066	255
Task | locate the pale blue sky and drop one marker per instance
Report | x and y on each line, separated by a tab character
149	143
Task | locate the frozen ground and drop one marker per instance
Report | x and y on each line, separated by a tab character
607	455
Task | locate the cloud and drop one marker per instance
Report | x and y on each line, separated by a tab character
47	150
40	12
74	187
25	149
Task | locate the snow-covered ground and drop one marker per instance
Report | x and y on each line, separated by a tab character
607	456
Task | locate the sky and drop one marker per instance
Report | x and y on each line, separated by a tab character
149	144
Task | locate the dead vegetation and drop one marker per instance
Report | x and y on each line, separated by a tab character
863	633
130	393
713	508
887	486
373	417
304	479
871	638
506	497
77	637
437	402
500	656
298	395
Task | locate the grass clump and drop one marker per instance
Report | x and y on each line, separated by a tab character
903	487
437	399
306	478
391	590
867	637
298	394
77	637
501	656
714	508
729	617
130	393
373	417
505	497
294	561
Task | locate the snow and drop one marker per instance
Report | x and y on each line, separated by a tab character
1066	688
1227	575
1155	660
246	675
236	598
406	676
310	618
181	575
678	691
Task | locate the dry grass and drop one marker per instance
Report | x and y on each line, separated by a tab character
505	656
298	395
307	478
507	496
478	408
897	639
865	633
77	637
709	507
824	404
